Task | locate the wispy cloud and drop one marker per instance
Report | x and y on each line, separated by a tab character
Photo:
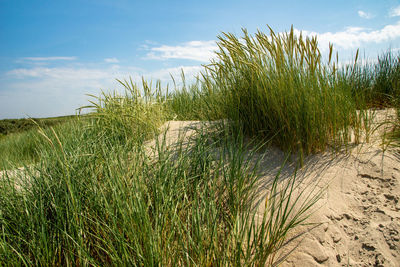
52	91
354	37
394	12
62	73
365	15
201	51
111	60
78	76
165	74
48	58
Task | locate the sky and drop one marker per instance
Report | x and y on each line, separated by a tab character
55	52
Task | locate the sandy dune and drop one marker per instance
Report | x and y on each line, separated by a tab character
359	211
357	220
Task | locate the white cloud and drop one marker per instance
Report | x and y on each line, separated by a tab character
365	15
201	51
394	12
60	73
51	91
349	38
48	58
111	60
165	74
354	37
81	77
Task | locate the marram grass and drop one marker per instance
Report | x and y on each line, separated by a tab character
20	149
94	200
277	87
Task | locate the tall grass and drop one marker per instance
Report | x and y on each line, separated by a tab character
98	197
277	87
377	82
23	148
18	149
193	101
386	87
136	112
392	138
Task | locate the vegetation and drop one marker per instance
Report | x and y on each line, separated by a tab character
98	196
8	126
18	149
377	82
393	137
278	87
95	193
21	146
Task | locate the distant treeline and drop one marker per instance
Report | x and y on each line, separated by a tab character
8	126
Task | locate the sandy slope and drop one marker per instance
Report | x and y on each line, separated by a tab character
359	210
357	219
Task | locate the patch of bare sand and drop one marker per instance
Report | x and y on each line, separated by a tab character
356	222
358	213
14	177
175	132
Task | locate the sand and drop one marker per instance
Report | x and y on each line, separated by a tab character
356	222
359	211
357	219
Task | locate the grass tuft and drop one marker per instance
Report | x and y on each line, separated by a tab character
277	87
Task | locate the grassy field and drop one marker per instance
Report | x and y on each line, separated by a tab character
93	195
20	140
8	126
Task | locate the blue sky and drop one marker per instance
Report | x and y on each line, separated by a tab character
54	52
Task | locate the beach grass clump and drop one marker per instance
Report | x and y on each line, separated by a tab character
185	102
277	87
18	149
377	83
193	101
139	111
93	200
393	137
386	81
